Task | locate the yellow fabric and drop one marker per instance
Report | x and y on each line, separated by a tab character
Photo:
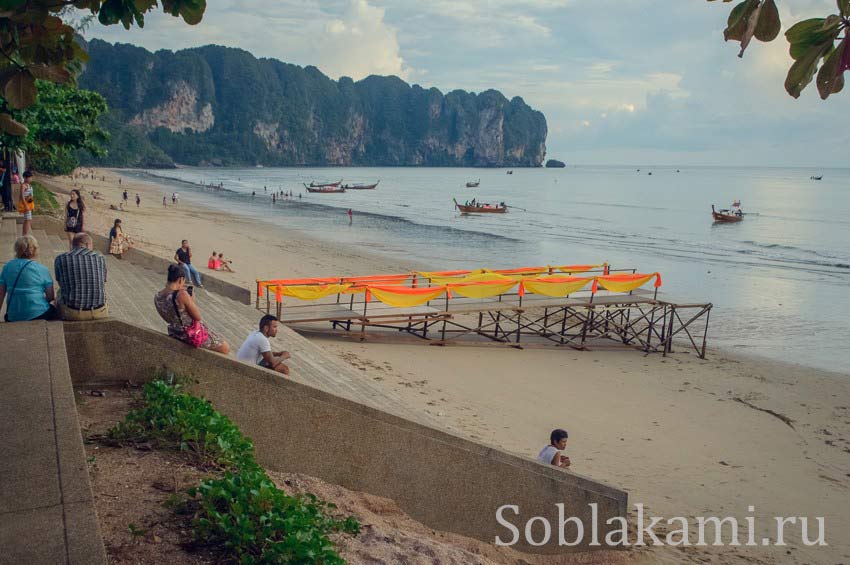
555	286
577	268
624	286
482	290
404	300
436	278
313	291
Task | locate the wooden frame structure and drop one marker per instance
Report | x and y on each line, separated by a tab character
582	320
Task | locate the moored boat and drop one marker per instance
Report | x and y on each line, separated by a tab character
322	185
327	189
360	186
473	184
481	208
727	215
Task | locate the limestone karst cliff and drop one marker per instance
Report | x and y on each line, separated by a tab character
222	106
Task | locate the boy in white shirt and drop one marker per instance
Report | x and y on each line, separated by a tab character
551	454
257	348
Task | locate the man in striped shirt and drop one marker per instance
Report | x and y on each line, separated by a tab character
81	274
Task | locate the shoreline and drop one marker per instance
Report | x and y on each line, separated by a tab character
684	436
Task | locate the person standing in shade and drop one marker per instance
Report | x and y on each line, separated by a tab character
7	195
26	203
184	257
81	274
257	349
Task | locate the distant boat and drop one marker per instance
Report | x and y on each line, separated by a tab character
481	208
509	172
473	184
817	178
325	189
320	185
360	186
727	216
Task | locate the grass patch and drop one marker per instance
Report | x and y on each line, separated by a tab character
45	201
241	512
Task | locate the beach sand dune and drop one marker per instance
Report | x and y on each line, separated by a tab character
685	437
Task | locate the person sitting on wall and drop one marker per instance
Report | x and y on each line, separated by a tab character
257	349
551	454
26	285
81	274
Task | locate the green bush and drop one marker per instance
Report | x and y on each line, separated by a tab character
242	512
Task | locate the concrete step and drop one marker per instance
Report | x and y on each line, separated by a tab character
46	499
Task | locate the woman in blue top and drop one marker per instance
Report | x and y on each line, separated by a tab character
26	285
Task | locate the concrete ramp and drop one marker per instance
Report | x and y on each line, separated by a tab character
47	511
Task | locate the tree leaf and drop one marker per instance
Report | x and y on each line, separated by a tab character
20	90
808	33
11	126
752	21
53	73
844	7
801	72
768	25
831	75
738	20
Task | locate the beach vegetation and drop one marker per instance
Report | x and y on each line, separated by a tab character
62	121
239	510
39	42
816	45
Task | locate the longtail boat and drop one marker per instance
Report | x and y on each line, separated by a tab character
480	208
322	185
473	184
726	215
323	189
360	186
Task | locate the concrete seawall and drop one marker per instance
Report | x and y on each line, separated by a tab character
446	482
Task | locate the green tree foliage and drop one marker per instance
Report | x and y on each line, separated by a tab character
305	117
816	43
36	42
62	120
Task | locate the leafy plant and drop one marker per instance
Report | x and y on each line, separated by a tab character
811	42
45	202
242	512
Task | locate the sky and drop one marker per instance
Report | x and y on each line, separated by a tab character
619	81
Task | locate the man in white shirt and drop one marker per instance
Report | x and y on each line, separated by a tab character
257	348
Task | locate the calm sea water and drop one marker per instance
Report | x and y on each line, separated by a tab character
780	280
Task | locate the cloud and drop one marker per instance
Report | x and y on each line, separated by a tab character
343	38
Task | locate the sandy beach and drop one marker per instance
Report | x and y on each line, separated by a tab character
685	437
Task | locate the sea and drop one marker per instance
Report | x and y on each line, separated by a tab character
779	280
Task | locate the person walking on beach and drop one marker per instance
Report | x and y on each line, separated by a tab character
126	196
257	349
164	203
350	216
183	256
551	454
138	200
